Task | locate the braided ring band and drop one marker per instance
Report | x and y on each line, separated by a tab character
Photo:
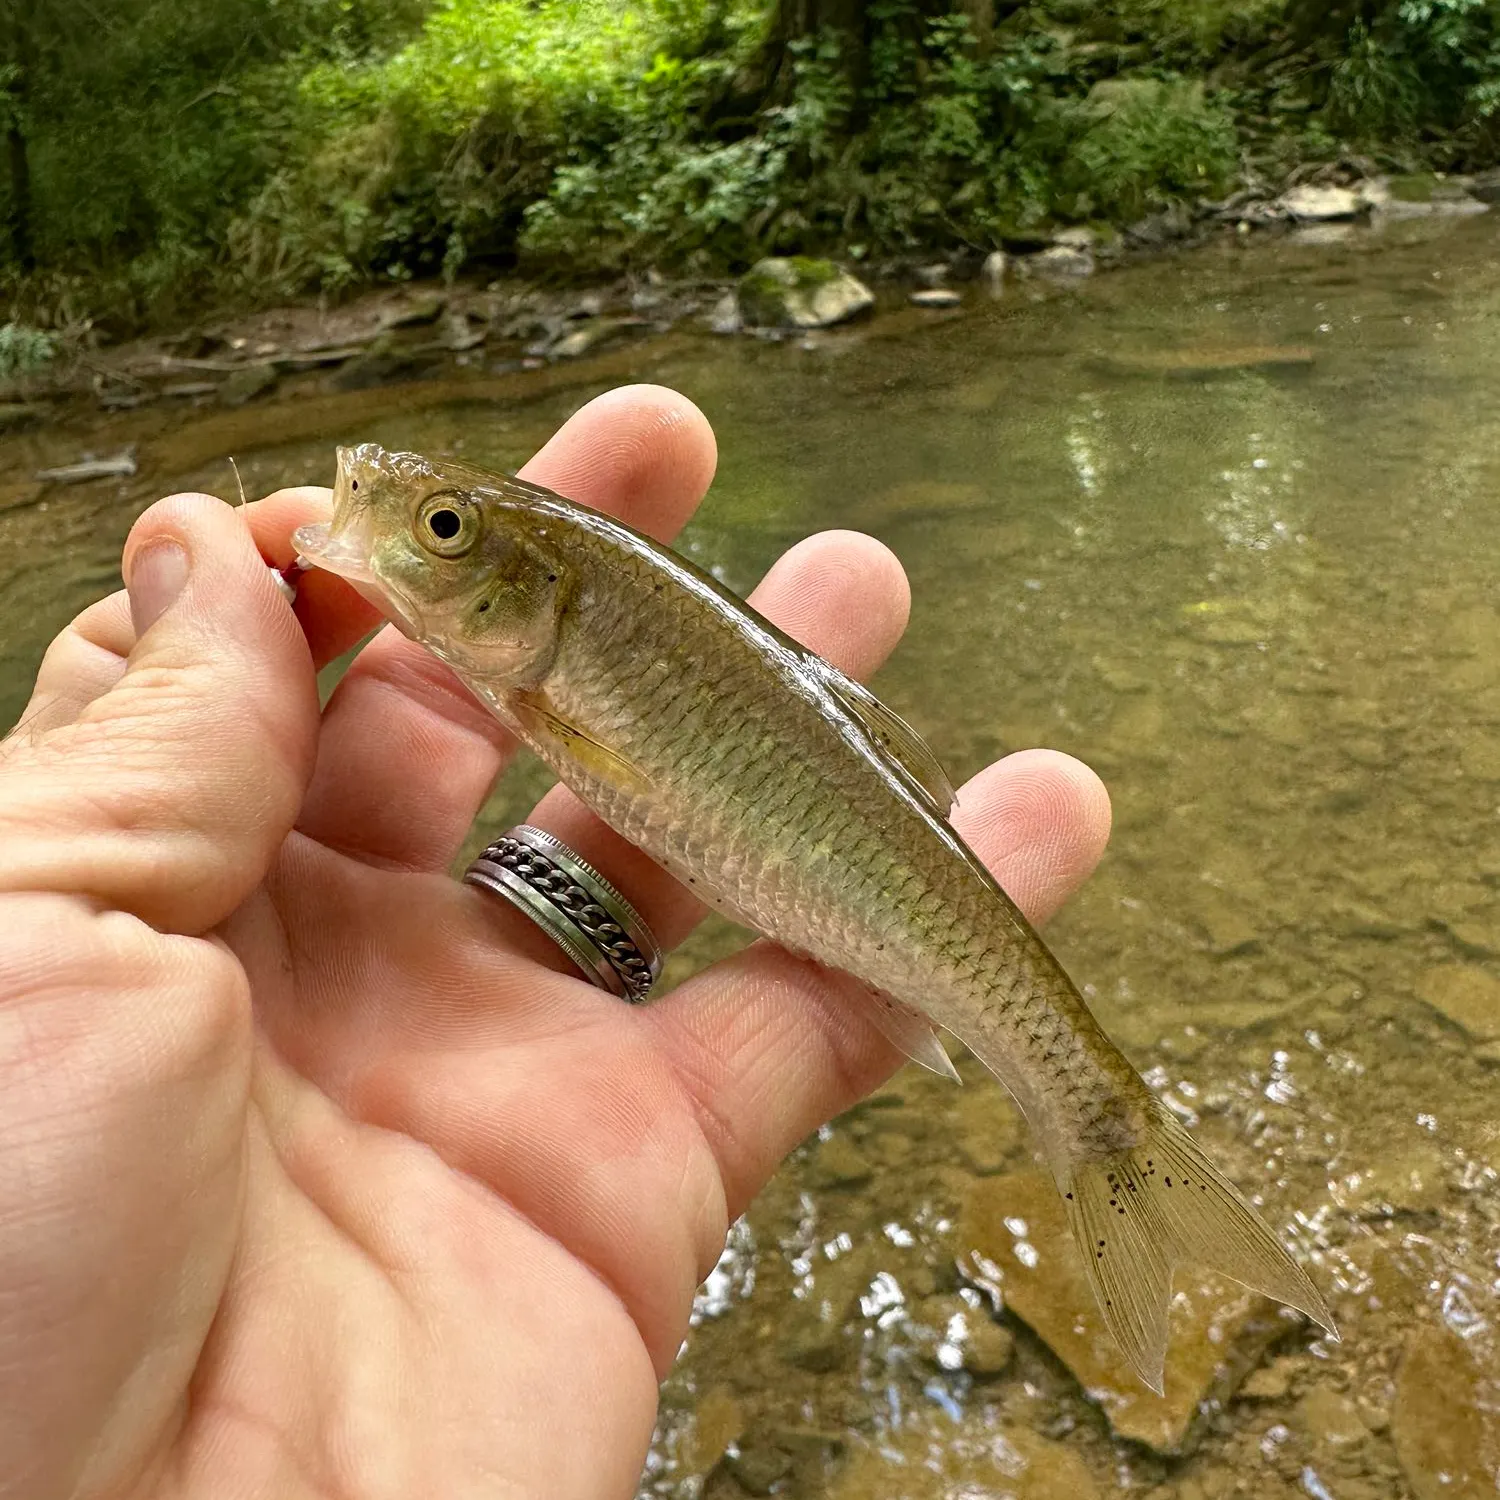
575	906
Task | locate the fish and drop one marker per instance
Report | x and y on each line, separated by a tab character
790	798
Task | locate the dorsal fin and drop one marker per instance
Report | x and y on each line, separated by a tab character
896	741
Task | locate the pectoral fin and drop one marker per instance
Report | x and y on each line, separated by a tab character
896	742
551	729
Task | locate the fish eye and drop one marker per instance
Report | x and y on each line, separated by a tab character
447	526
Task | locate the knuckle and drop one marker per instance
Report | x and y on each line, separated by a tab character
95	1003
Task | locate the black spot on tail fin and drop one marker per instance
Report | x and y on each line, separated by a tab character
1136	1217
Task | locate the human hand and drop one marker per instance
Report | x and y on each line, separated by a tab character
321	1173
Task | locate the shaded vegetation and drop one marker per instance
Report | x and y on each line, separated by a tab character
160	152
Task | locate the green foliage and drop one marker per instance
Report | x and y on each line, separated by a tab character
436	155
953	142
1145	143
144	121
23	349
273	145
1415	68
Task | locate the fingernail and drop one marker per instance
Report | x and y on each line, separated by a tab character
156	579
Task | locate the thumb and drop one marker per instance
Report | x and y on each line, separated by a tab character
170	793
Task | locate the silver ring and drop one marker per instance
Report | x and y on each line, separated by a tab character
575	906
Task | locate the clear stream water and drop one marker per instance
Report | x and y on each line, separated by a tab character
1257	591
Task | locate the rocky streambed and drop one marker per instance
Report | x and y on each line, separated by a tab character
473	329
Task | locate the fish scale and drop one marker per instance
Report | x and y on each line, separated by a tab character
788	798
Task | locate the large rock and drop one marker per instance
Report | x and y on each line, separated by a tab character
796	292
245	384
1014	1241
1466	995
1309	203
1485	186
1446	1420
1063	262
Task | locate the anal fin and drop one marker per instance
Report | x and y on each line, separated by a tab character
912	1034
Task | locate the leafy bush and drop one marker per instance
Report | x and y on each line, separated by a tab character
1145	143
23	349
145	122
1418	67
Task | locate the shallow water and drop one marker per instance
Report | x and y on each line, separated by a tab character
1258	594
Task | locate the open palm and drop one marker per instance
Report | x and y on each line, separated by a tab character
321	1173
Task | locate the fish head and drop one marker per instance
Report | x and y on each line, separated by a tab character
456	558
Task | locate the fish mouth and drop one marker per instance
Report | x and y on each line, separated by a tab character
345	545
345	551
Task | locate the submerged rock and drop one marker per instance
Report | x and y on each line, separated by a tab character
1330	1419
955	1335
1014	1241
1480	758
839	1163
1466	995
718	1421
1446	1420
815	1346
1271	1382
1205	361
969	1460
760	1467
989	1348
1225	922
936	296
797	292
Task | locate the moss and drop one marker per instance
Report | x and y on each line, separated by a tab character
809	272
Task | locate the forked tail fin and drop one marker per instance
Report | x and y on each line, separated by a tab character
1138	1216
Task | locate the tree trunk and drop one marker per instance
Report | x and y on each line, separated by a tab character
19	52
21	244
806	21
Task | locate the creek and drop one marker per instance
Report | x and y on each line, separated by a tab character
1226	526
